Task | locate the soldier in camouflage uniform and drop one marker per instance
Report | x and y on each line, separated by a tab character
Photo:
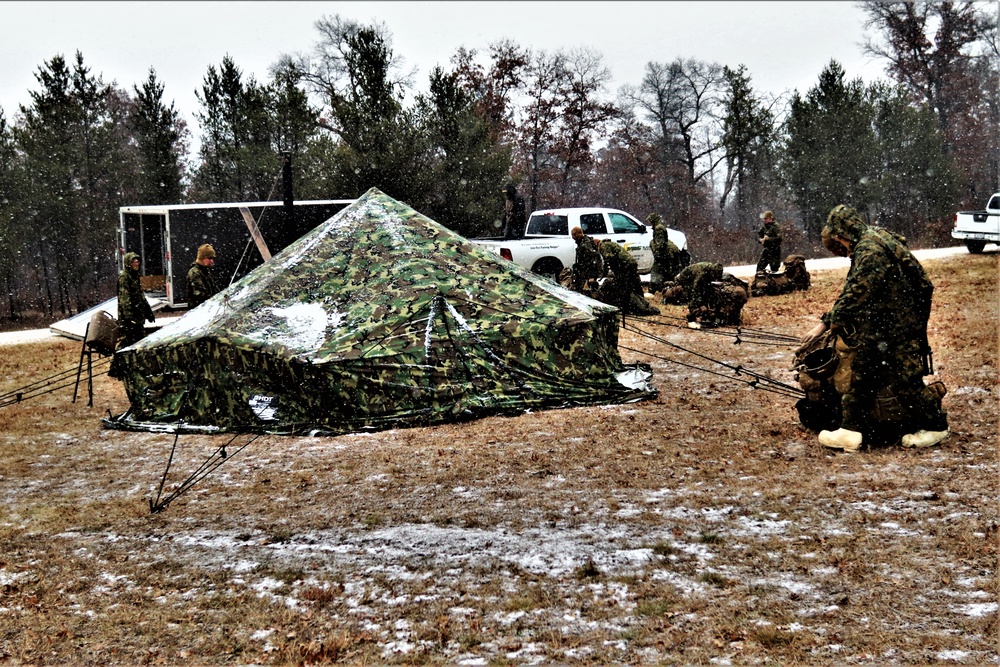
623	288
201	283
589	265
667	261
133	309
693	286
714	298
770	236
881	318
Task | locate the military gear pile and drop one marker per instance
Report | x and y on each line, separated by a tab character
714	298
794	277
378	318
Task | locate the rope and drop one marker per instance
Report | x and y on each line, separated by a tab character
741	333
759	380
210	465
48	385
246	249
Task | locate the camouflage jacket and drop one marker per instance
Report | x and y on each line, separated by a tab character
772	231
666	254
617	258
133	309
201	285
589	263
696	280
886	298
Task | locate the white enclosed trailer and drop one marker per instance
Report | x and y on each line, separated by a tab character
166	238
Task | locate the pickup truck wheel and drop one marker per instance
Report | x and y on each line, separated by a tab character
549	267
975	247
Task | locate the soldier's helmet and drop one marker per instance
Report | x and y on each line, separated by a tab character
846	222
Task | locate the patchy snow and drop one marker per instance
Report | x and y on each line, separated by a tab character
301	327
976	609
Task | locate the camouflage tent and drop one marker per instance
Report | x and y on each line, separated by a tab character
378	318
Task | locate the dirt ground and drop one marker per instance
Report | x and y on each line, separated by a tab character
705	526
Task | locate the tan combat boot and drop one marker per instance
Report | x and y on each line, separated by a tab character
842	438
924	438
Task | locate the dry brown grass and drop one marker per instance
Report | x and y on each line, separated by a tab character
704	525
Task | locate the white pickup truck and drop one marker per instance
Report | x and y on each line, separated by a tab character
547	247
977	228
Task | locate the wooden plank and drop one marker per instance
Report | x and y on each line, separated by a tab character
255	233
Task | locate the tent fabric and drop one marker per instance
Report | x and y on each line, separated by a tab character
378	318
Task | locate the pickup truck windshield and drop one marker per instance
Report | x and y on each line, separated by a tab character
554	225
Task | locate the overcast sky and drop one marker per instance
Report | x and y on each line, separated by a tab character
784	45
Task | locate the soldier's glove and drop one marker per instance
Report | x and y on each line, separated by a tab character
151	318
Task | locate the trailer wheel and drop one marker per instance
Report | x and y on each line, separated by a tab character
975	247
549	267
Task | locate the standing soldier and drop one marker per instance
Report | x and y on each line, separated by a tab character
201	283
770	236
589	265
133	309
666	255
514	216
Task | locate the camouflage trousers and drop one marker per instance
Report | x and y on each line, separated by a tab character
770	256
130	333
902	371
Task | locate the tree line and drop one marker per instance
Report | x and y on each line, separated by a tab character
693	141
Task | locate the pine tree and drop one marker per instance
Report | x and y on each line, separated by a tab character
467	167
748	139
831	151
158	130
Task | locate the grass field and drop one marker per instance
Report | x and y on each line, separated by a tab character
702	527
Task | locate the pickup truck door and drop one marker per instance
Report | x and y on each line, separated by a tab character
629	230
594	223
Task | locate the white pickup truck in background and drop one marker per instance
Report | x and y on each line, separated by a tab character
547	247
977	228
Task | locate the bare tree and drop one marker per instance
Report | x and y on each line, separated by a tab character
945	54
330	71
929	46
584	122
680	99
547	76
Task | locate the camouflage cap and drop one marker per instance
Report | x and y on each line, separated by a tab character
130	257
845	222
653	219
